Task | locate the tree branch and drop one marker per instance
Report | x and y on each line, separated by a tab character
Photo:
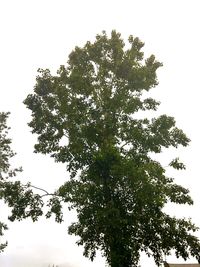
45	191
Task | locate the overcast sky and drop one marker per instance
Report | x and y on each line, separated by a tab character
40	34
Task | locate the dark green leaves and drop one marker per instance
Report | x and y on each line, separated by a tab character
5	171
23	201
176	164
21	198
5	152
86	117
3	227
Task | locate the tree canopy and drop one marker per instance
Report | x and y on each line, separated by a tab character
86	117
19	197
5	154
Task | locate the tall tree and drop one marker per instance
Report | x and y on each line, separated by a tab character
86	117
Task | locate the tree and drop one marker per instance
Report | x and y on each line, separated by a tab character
20	197
5	172
86	116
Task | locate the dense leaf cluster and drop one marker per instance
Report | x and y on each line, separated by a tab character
86	117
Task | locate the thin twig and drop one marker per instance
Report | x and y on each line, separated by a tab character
39	189
46	192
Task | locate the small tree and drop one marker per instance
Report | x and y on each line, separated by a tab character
85	116
20	197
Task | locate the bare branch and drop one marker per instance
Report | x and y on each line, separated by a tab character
40	189
45	191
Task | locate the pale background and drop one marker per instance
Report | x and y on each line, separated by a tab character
41	33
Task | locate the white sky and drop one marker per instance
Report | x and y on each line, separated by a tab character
41	33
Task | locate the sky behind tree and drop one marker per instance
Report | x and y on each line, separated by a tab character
41	34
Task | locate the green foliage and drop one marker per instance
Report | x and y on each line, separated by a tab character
23	201
5	172
85	117
176	164
2	228
20	197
